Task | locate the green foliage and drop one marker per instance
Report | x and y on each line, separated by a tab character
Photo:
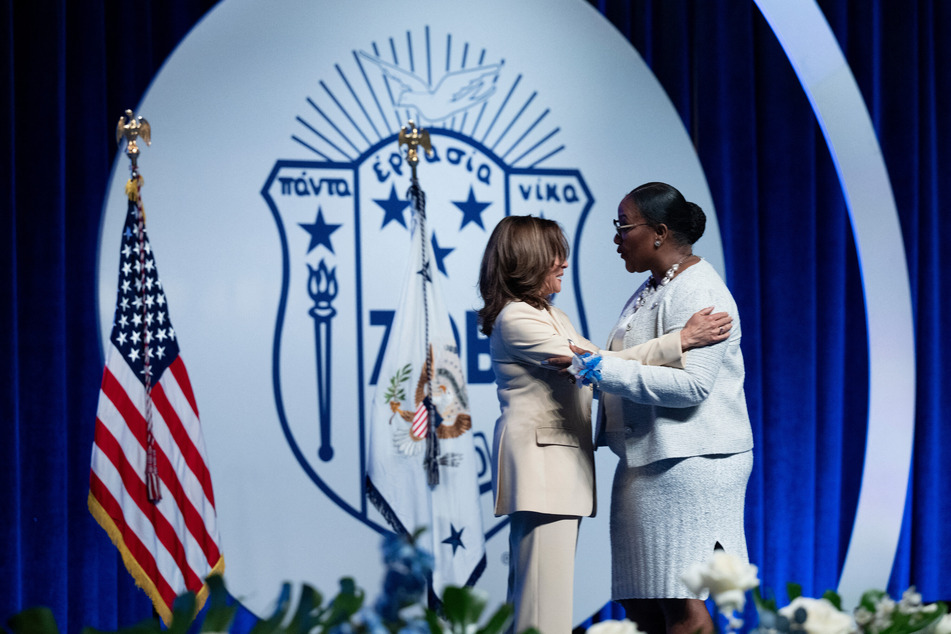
395	391
833	597
762	603
37	619
462	608
876	613
906	616
220	614
793	591
345	605
344	614
183	612
499	621
272	624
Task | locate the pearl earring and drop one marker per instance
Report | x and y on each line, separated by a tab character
656	243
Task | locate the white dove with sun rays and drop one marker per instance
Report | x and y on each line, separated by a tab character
454	92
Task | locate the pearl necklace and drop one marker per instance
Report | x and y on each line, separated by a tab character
652	286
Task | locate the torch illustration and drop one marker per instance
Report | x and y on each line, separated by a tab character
322	287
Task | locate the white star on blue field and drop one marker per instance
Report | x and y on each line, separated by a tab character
142	330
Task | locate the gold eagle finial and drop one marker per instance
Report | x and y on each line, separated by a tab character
412	137
131	129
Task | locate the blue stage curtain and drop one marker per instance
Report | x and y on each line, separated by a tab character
792	265
70	69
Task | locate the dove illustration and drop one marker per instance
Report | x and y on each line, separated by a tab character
453	93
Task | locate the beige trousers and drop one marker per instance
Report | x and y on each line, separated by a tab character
541	571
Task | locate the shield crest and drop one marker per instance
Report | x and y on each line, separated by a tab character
335	314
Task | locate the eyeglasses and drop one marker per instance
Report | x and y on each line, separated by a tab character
622	229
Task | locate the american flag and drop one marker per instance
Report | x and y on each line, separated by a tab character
147	427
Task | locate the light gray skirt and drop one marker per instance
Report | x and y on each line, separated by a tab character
668	515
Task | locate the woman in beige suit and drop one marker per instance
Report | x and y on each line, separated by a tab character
543	461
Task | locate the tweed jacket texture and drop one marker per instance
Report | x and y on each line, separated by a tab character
652	413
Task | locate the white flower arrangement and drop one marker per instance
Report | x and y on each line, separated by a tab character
401	606
817	616
728	578
942	625
878	613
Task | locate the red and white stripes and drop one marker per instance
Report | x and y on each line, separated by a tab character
171	546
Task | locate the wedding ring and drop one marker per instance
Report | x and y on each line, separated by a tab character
720	332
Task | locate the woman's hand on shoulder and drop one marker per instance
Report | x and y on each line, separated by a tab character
705	328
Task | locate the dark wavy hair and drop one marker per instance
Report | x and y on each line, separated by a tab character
519	255
660	203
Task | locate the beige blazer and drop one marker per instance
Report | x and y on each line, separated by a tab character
542	455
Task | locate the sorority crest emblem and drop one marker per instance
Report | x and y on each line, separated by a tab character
491	144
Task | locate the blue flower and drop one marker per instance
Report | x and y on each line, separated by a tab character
416	626
342	628
372	622
408	570
397	548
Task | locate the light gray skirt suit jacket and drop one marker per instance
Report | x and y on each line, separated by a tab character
650	414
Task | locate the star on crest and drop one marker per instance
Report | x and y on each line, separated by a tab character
471	210
440	254
392	207
319	231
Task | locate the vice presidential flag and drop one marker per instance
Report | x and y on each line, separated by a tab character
422	467
149	485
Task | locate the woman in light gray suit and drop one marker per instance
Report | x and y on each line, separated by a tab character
543	462
683	437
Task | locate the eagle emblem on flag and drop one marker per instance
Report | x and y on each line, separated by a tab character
449	402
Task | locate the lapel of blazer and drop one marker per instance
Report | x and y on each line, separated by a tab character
560	327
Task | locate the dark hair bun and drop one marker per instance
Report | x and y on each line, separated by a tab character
696	224
660	203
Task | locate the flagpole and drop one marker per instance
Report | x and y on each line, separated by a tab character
147	425
131	130
412	137
421	472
